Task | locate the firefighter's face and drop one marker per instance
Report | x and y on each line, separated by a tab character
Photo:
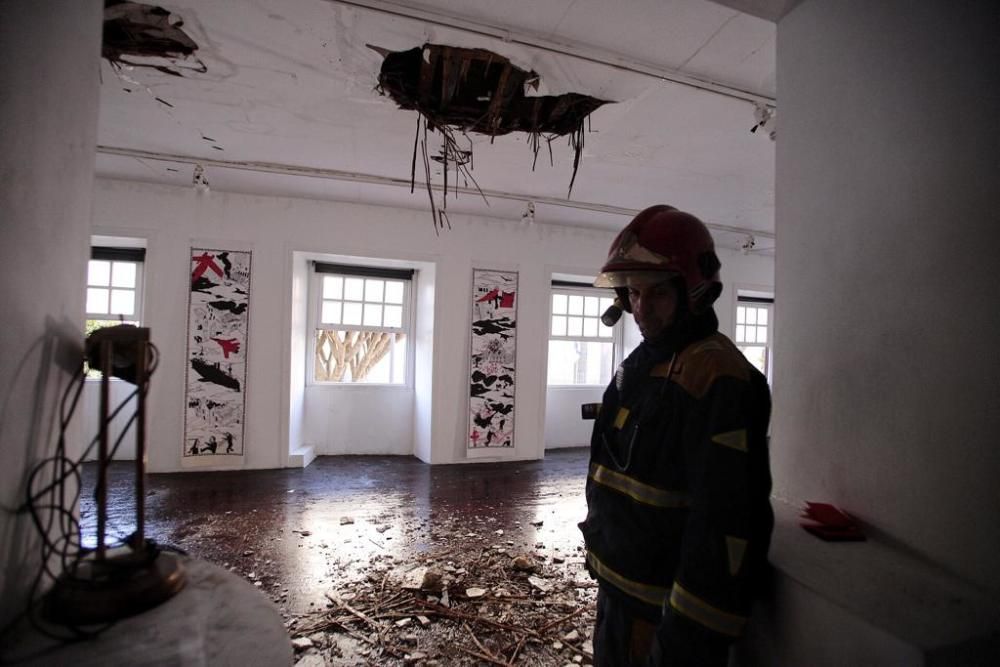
654	304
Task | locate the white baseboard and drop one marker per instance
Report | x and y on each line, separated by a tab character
302	457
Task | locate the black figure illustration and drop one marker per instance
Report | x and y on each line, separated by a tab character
229	442
232	306
194	447
211	446
212	373
226	264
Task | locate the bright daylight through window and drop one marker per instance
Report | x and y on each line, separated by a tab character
114	289
362	321
581	349
753	323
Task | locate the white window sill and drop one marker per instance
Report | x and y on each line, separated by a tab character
358	385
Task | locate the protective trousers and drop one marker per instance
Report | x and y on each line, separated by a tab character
622	639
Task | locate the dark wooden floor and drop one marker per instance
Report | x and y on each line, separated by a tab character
298	533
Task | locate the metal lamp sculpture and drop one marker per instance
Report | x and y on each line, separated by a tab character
111	583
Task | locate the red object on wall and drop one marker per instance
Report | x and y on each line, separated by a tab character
830	523
504	299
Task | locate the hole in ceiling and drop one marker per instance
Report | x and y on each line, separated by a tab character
476	90
140	35
460	90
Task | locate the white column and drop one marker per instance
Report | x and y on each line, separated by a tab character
49	88
886	399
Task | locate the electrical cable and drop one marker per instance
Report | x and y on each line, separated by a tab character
51	508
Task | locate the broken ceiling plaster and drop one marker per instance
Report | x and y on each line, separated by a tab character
476	90
140	35
461	90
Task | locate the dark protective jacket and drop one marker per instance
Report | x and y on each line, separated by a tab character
679	519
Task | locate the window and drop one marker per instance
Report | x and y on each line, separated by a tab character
754	323
114	286
361	318
581	348
114	290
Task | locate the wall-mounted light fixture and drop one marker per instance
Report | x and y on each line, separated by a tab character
199	180
528	217
765	116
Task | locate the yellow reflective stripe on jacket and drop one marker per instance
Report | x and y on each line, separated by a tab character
692	606
654	595
733	439
636	490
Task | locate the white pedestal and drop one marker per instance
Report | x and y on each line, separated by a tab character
217	619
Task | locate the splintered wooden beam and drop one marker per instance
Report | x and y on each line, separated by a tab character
475	90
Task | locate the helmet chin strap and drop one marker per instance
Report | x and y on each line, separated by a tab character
687	325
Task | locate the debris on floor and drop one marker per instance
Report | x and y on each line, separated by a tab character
463	605
396	587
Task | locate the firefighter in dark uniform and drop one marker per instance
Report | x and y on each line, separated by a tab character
679	518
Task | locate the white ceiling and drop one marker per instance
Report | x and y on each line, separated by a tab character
288	106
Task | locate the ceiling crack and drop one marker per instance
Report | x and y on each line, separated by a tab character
708	41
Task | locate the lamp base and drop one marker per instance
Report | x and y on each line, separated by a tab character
120	585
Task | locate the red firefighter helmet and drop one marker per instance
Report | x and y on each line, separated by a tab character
662	239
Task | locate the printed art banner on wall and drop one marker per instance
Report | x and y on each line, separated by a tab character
494	318
218	322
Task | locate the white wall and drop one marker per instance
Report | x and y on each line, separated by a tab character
294	377
564	427
359	419
563	424
49	56
753	271
423	364
120	393
886	400
276	228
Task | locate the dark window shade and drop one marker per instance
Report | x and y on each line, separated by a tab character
118	254
570	284
367	271
754	299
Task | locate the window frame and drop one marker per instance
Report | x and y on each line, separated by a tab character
115	255
129	254
616	338
764	303
320	270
